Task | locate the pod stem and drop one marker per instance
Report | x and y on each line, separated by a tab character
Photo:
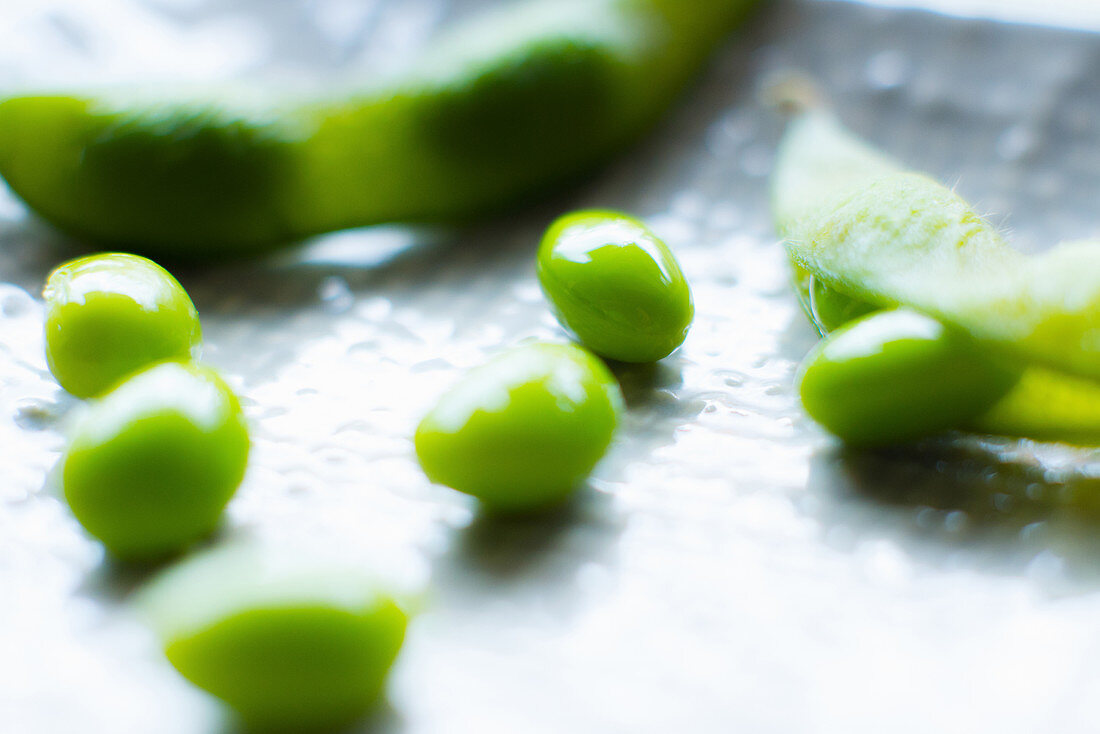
793	94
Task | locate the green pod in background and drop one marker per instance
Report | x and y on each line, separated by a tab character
897	376
151	466
615	285
502	108
872	231
109	315
288	647
521	432
864	235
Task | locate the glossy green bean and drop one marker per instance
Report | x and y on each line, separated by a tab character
111	314
896	376
864	235
616	285
522	431
151	466
1042	404
290	647
879	234
523	99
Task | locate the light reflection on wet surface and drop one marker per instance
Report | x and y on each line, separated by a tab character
729	568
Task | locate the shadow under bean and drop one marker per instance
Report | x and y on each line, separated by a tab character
986	503
499	552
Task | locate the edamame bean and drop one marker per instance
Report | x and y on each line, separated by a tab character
884	236
615	285
288	648
864	235
826	308
1042	405
896	376
151	465
523	99
111	314
521	432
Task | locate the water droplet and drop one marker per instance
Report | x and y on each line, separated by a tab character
335	295
35	415
15	303
887	70
376	309
1047	566
956	521
756	161
925	517
1015	143
688	205
1031	531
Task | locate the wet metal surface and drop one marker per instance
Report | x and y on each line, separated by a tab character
729	568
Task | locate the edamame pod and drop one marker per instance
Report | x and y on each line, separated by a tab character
824	307
1046	406
822	169
889	237
520	100
1041	405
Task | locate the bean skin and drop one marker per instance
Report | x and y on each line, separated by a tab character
111	314
615	285
521	432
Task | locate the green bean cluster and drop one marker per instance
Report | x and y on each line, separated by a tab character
505	108
155	459
930	322
521	432
149	468
938	323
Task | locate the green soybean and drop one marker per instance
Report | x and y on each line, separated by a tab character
826	308
885	236
150	467
1046	406
896	376
857	226
111	314
615	285
521	432
289	648
1042	405
523	99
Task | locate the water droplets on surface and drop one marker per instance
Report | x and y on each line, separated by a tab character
1015	142
336	295
756	160
887	70
713	547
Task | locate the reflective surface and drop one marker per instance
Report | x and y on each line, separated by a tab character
730	568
